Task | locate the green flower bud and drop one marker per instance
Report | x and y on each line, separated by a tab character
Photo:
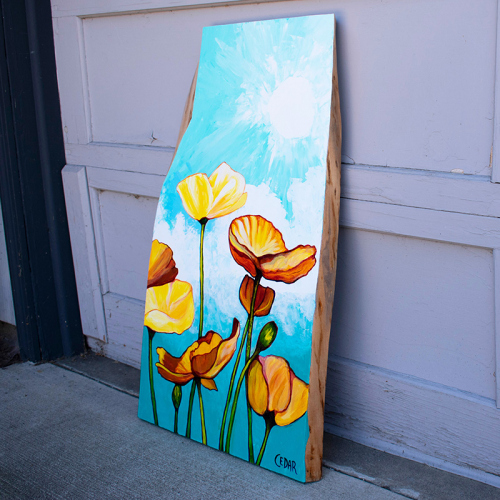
177	396
267	336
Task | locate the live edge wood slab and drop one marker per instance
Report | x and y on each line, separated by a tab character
325	283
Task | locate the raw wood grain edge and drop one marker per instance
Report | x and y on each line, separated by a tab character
325	288
188	112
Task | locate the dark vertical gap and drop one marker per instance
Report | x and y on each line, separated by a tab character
13	215
32	198
52	161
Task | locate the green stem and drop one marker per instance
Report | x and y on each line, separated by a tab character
235	400
190	410
230	390
250	437
203	223
247	357
202	414
151	384
176	421
269	426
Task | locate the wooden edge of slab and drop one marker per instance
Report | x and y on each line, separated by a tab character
188	112
325	288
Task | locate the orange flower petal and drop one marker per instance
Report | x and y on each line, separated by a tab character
242	257
258	392
263	301
228	189
298	403
171	368
209	384
171	363
257	245
162	268
225	351
277	374
289	266
202	363
256	236
196	195
176	378
170	307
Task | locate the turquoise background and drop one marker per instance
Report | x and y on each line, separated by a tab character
234	62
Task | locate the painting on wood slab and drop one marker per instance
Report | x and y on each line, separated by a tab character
242	267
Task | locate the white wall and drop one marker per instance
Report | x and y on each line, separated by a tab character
415	342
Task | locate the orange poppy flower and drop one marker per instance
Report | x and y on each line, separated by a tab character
210	197
203	359
273	388
263	300
258	246
170	307
162	268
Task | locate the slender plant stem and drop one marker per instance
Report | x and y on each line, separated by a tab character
235	401
231	384
202	276
176	421
202	414
151	384
203	223
269	426
247	357
250	436
190	409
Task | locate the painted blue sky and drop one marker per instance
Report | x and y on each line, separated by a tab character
262	102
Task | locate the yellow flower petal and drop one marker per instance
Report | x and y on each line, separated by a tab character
196	195
289	266
277	374
228	189
298	403
258	392
209	384
170	307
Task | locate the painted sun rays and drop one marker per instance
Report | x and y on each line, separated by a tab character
271	389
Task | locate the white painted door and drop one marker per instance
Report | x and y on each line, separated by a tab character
416	332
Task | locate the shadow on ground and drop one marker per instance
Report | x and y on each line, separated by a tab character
9	346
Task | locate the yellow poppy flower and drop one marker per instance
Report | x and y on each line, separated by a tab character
203	359
210	197
170	307
273	388
263	300
162	268
258	246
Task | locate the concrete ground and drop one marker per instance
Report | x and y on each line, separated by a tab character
75	435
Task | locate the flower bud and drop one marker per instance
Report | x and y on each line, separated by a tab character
267	336
177	396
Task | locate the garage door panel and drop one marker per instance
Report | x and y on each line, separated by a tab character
418	307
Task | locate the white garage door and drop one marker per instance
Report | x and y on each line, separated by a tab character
416	332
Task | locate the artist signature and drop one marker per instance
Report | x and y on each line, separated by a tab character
283	462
